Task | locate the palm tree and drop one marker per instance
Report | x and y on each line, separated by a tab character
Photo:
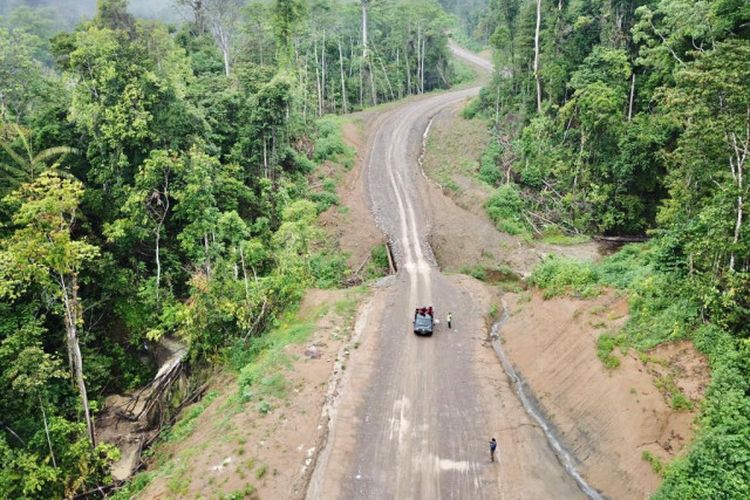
26	165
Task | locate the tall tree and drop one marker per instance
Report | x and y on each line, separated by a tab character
221	17
537	78
42	251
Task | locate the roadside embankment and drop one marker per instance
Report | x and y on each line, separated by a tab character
619	423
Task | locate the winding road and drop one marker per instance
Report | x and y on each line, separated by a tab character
416	414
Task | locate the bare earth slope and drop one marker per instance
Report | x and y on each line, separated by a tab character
415	419
608	418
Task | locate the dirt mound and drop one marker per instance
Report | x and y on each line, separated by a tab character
609	419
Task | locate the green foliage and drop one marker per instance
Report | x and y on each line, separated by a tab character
489	171
663	307
328	269
505	208
656	464
472	109
559	276
605	344
23	474
185	211
642	129
717	463
186	423
330	143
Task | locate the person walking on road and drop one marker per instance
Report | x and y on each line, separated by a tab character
493	447
450	319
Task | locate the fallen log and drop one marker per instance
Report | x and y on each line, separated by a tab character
622	239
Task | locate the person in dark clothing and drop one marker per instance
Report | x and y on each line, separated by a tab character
493	447
450	320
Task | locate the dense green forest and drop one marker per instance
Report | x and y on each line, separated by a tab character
631	118
154	182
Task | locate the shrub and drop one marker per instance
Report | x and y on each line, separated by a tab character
328	269
505	208
472	109
378	265
560	276
489	171
324	201
330	143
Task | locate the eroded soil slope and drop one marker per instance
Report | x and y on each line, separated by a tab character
607	417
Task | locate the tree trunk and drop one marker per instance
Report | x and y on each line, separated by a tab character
46	432
317	79
244	274
344	107
632	97
421	65
158	263
207	262
364	28
738	164
536	56
408	71
419	60
224	38
323	72
70	302
387	80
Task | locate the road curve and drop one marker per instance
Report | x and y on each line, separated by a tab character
414	421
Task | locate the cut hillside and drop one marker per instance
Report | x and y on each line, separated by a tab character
620	423
463	235
350	221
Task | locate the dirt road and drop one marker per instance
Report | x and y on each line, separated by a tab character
417	413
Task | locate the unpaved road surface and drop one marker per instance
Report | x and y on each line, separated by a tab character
417	413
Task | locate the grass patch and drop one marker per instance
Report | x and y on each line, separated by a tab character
179	483
330	143
562	276
447	144
494	309
605	346
135	485
261	471
656	464
260	361
552	235
674	395
186	424
476	271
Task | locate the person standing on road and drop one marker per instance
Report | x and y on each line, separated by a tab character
450	319
493	447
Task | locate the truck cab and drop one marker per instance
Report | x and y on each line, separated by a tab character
424	320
